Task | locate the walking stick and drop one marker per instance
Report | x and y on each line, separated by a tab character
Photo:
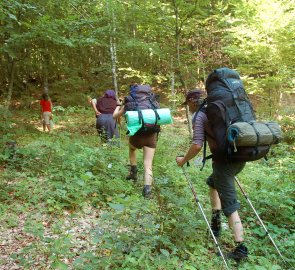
206	220
261	222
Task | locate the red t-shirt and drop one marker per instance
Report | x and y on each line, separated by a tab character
46	105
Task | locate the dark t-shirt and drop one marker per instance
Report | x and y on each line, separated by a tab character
106	105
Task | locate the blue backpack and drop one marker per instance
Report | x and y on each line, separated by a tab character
141	97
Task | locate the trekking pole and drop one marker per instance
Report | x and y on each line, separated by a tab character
261	222
206	220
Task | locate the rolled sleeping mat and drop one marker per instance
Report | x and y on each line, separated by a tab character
134	123
254	133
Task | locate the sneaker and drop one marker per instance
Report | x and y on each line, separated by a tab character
216	222
147	191
132	173
239	253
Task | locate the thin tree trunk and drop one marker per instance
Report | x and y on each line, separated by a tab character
179	73
114	63
45	73
113	46
11	82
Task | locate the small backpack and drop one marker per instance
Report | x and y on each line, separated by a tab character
228	103
142	98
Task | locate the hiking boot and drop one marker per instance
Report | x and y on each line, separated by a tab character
132	173
216	222
147	191
239	253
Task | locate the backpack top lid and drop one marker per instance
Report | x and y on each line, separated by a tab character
140	97
139	90
221	73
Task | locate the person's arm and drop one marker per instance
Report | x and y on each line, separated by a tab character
97	113
191	153
119	111
197	140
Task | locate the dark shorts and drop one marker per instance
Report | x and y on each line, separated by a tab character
141	140
223	180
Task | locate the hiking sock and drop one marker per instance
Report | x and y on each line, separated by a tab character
132	173
147	191
216	222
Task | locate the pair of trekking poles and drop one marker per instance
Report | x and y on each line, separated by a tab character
208	225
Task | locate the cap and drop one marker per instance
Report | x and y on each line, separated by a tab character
193	95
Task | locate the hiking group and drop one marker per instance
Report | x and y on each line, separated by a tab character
222	116
224	104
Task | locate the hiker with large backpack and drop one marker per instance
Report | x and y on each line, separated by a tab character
209	124
104	108
140	98
226	120
221	182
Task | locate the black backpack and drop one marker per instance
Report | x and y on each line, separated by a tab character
228	103
140	99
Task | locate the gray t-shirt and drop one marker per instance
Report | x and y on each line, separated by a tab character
201	128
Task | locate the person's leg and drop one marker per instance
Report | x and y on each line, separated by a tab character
240	252
46	120
132	155
215	206
43	124
236	226
214	199
148	155
100	122
224	182
133	163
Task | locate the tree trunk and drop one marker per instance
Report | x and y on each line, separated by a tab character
178	30
11	82
114	63
113	46
45	73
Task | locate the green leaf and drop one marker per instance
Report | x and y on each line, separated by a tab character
165	252
59	265
117	207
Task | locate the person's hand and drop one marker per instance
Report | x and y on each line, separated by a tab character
180	161
97	113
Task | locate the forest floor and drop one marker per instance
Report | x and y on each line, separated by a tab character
64	202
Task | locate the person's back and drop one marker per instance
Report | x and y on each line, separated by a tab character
104	108
140	98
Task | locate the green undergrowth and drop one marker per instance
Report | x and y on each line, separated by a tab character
53	180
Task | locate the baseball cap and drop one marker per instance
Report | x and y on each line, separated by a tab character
193	95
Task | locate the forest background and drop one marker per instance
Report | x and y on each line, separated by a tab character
64	203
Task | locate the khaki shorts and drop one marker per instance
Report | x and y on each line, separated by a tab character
46	118
141	140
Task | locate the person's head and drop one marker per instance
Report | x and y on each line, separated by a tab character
193	99
45	96
110	94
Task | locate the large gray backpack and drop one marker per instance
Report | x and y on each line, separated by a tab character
228	103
